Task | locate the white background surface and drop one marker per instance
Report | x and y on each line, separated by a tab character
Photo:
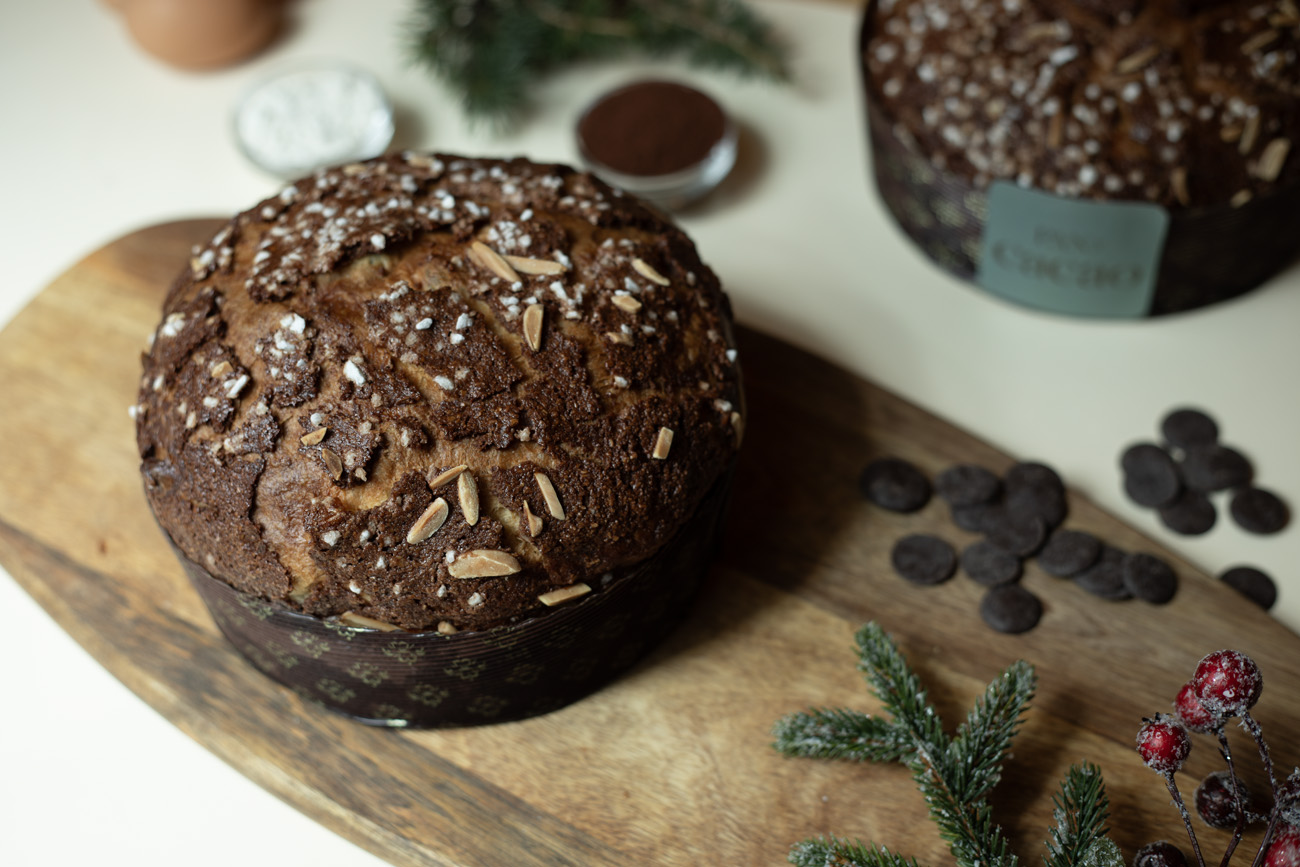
99	139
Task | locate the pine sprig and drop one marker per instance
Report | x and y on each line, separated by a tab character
832	852
955	775
490	51
1082	809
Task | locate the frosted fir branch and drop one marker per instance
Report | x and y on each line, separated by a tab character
833	852
491	52
833	733
948	771
1082	810
955	775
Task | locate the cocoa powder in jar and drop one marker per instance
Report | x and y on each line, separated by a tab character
651	128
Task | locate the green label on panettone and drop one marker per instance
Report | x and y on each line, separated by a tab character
1072	256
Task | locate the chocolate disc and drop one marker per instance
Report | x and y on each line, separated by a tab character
1215	468
1069	552
1021	537
967	485
1191	514
1011	608
1259	511
1149	578
1151	477
989	565
1105	578
1255	584
1186	427
894	484
924	559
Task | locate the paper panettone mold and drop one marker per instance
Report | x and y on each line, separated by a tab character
466	404
1117	183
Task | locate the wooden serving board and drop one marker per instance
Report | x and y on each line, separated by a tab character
672	764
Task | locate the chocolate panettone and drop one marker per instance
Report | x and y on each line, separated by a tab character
1185	103
437	394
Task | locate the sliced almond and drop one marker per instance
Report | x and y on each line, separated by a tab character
663	443
1178	182
626	302
1137	60
1273	158
544	267
618	337
738	427
467	490
1230	133
351	618
446	627
446	476
483	563
563	594
1249	135
1056	130
1258	41
552	499
533	326
428	523
221	368
311	439
333	462
534	522
492	261
642	267
1240	198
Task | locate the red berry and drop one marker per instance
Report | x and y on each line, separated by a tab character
1193	714
1161	853
1163	743
1284	851
1215	803
1228	682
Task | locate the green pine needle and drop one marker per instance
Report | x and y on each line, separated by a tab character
490	51
955	775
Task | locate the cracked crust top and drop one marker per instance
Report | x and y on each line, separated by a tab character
437	393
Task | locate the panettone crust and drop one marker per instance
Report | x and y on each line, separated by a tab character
332	357
1185	103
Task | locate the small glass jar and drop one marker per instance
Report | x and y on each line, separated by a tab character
311	116
659	140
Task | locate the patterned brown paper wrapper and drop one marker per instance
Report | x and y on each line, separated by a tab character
1209	254
429	680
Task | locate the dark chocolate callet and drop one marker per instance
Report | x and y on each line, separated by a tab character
989	565
1190	515
1185	428
979	517
924	559
1255	584
1215	468
1019	536
1259	511
967	485
1069	552
1105	578
1033	490
894	484
1011	608
1151	477
1149	578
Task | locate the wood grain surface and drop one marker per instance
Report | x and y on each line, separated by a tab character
672	764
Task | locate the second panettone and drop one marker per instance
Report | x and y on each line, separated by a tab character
439	395
1184	110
